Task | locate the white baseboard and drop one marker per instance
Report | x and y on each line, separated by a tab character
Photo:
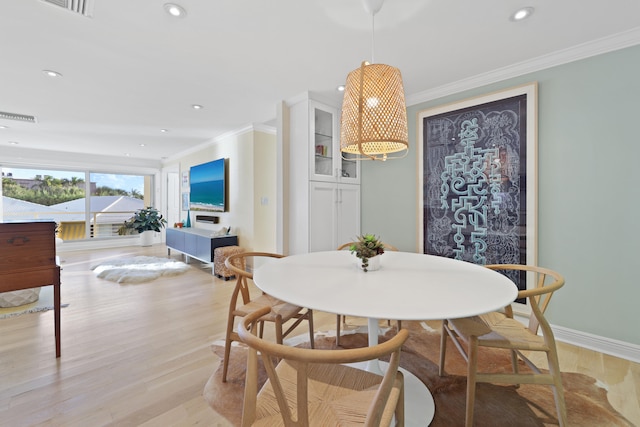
622	349
610	346
89	244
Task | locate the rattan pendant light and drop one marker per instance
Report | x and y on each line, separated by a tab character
374	115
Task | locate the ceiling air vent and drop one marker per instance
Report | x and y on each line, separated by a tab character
83	7
18	117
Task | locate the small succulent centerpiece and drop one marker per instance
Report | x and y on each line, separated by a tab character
366	247
147	219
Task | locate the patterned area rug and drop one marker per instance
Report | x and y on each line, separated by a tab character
44	303
496	405
138	269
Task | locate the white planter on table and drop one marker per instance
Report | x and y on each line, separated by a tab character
374	263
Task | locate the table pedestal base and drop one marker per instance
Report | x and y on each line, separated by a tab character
419	407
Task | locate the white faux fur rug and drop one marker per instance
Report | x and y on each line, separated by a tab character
138	269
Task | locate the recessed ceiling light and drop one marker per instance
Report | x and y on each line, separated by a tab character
175	10
14	142
141	145
164	130
4	127
52	73
340	88
522	13
197	107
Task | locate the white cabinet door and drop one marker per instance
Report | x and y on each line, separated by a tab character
334	215
322	216
348	204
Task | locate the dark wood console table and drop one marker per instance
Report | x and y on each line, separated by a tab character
197	243
28	260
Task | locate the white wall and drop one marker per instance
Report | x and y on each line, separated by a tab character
251	177
265	193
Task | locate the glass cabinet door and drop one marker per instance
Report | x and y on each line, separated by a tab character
349	169
327	161
323	140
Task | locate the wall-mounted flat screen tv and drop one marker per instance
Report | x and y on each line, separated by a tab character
208	186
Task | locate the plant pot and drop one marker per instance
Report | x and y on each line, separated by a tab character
146	238
374	263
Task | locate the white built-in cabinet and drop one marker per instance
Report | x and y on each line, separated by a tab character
324	189
336	207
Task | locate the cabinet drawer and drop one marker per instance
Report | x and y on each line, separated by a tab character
27	245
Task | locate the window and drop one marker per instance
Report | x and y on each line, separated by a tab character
60	196
114	199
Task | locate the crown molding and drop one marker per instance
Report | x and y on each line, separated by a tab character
253	127
604	45
329	99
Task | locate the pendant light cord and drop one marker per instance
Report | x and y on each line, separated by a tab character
373	42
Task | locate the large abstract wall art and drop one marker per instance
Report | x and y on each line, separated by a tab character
478	174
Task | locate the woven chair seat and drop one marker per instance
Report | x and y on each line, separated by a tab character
278	307
343	402
492	329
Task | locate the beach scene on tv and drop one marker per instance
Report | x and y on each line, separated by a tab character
207	182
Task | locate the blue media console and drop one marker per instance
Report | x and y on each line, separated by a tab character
197	243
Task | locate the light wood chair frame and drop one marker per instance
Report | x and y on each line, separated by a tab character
469	334
236	310
381	407
341	320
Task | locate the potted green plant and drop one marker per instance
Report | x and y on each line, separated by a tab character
147	220
367	247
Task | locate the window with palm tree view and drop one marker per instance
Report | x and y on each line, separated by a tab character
61	196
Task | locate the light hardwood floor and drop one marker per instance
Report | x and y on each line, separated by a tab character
140	355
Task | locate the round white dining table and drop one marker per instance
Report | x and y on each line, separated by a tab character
407	286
